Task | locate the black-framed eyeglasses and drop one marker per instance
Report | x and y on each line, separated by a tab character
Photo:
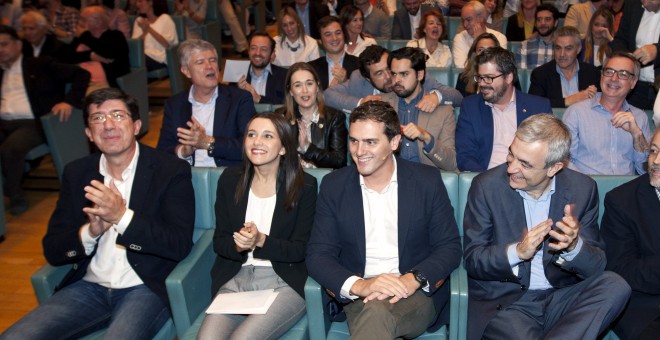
622	74
114	115
486	79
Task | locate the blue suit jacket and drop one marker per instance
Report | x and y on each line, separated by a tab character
495	219
274	85
233	109
475	129
427	233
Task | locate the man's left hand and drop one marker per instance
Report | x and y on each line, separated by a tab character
63	110
428	103
569	229
110	206
646	54
412	131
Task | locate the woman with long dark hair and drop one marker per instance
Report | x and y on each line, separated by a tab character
352	22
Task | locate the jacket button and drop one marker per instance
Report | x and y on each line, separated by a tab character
523	287
499	307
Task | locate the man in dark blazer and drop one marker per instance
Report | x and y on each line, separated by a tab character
389	287
31	87
533	256
629	228
264	80
205	125
401	26
124	219
546	80
310	12
476	129
343	64
647	53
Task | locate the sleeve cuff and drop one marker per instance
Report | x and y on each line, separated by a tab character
88	242
346	287
513	258
429	147
573	253
438	94
125	221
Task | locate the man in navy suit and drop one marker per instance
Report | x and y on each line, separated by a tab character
264	80
488	120
534	259
630	230
124	219
384	240
205	125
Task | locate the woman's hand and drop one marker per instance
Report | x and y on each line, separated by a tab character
248	237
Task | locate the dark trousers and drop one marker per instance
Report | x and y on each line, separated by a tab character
17	138
642	96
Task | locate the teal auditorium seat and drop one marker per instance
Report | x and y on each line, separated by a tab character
189	284
396	44
178	82
135	82
443	75
383	43
66	140
211	30
320	326
605	184
263	107
452	26
523	77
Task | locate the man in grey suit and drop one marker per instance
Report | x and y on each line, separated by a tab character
376	22
533	254
407	18
373	79
427	137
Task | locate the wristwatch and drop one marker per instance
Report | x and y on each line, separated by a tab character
211	146
419	277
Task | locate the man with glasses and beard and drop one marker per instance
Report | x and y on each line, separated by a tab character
537	51
488	120
609	136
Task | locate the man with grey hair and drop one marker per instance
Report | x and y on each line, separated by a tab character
36	39
205	124
564	80
534	259
473	16
609	136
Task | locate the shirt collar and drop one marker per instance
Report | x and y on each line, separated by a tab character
103	167
393	179
577	69
194	102
18	61
511	101
267	70
341	60
595	103
544	197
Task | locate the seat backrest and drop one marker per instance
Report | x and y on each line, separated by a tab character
318	173
523	76
67	140
452	28
180	24
396	44
136	53
442	75
383	42
260	107
211	11
464	184
205	184
450	179
558	112
605	184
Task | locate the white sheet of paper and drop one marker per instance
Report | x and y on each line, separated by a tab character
234	70
254	302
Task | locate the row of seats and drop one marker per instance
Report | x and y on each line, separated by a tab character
189	285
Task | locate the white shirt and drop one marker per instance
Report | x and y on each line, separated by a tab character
463	41
204	113
646	35
164	25
381	220
109	267
441	57
505	124
259	83
260	212
285	56
414	21
15	102
361	45
36	49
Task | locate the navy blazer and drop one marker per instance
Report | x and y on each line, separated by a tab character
474	129
625	38
630	230
275	90
545	81
158	236
427	232
286	243
233	109
320	65
495	219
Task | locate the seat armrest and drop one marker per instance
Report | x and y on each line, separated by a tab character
46	279
318	321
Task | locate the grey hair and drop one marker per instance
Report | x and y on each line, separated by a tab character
190	46
568	31
547	128
38	18
479	8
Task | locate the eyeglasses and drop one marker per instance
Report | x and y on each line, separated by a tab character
115	116
486	79
622	74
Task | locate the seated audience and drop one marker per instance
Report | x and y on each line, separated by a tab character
62	20
599	33
427	138
310	12
194	12
205	125
537	50
352	21
292	45
376	22
407	19
494	11
156	28
534	259
609	135
564	80
384	240
320	130
265	210
117	18
37	41
336	66
579	14
264	80
30	87
633	247
487	121
430	33
521	25
124	220
473	16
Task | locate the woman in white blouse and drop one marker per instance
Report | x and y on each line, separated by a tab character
352	21
291	43
156	28
430	32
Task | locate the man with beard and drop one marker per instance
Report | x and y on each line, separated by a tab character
564	80
264	80
488	120
205	125
336	65
630	231
427	137
537	51
406	19
534	259
609	136
373	79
